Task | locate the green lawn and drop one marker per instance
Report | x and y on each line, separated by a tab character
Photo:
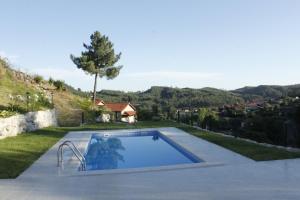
254	151
18	153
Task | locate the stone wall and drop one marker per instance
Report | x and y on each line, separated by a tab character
30	121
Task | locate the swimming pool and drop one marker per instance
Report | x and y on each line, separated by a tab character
135	150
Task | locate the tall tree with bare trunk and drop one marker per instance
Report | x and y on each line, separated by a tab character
98	59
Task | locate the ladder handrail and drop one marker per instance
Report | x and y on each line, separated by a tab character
68	141
75	151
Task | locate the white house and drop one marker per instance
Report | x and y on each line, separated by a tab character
124	112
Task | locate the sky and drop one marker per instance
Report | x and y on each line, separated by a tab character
178	43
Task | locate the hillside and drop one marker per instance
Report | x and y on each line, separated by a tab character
20	93
176	97
168	99
270	91
16	86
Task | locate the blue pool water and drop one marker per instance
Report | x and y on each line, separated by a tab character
134	150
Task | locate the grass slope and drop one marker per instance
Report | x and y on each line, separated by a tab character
10	86
68	105
69	108
18	153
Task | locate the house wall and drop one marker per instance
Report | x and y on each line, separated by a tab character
103	118
129	119
117	116
127	108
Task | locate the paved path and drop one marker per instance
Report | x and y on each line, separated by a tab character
239	178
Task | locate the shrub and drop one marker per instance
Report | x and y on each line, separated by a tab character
59	85
6	113
51	81
38	79
156	118
144	114
86	104
43	101
254	135
16	103
38	101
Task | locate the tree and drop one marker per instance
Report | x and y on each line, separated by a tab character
167	93
51	81
37	79
202	112
155	110
211	119
98	59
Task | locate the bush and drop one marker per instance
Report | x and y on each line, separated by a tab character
144	114
59	85
156	118
224	124
6	113
50	81
254	135
16	103
38	101
38	79
44	101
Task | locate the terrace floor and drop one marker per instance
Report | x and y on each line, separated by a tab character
234	177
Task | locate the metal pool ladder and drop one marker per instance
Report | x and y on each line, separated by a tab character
75	151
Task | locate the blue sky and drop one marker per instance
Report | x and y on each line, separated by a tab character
223	44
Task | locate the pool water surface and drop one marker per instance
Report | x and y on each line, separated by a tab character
135	150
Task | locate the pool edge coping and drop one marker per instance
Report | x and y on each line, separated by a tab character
174	134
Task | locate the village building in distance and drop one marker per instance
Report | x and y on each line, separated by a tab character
122	112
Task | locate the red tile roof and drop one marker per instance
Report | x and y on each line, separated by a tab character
117	107
98	101
130	113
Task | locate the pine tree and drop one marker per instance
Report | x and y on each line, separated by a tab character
98	59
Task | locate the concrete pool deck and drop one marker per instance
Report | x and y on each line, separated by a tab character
237	178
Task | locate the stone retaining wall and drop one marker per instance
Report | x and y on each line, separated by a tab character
30	121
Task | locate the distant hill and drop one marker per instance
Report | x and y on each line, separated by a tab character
205	97
71	100
269	91
176	97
